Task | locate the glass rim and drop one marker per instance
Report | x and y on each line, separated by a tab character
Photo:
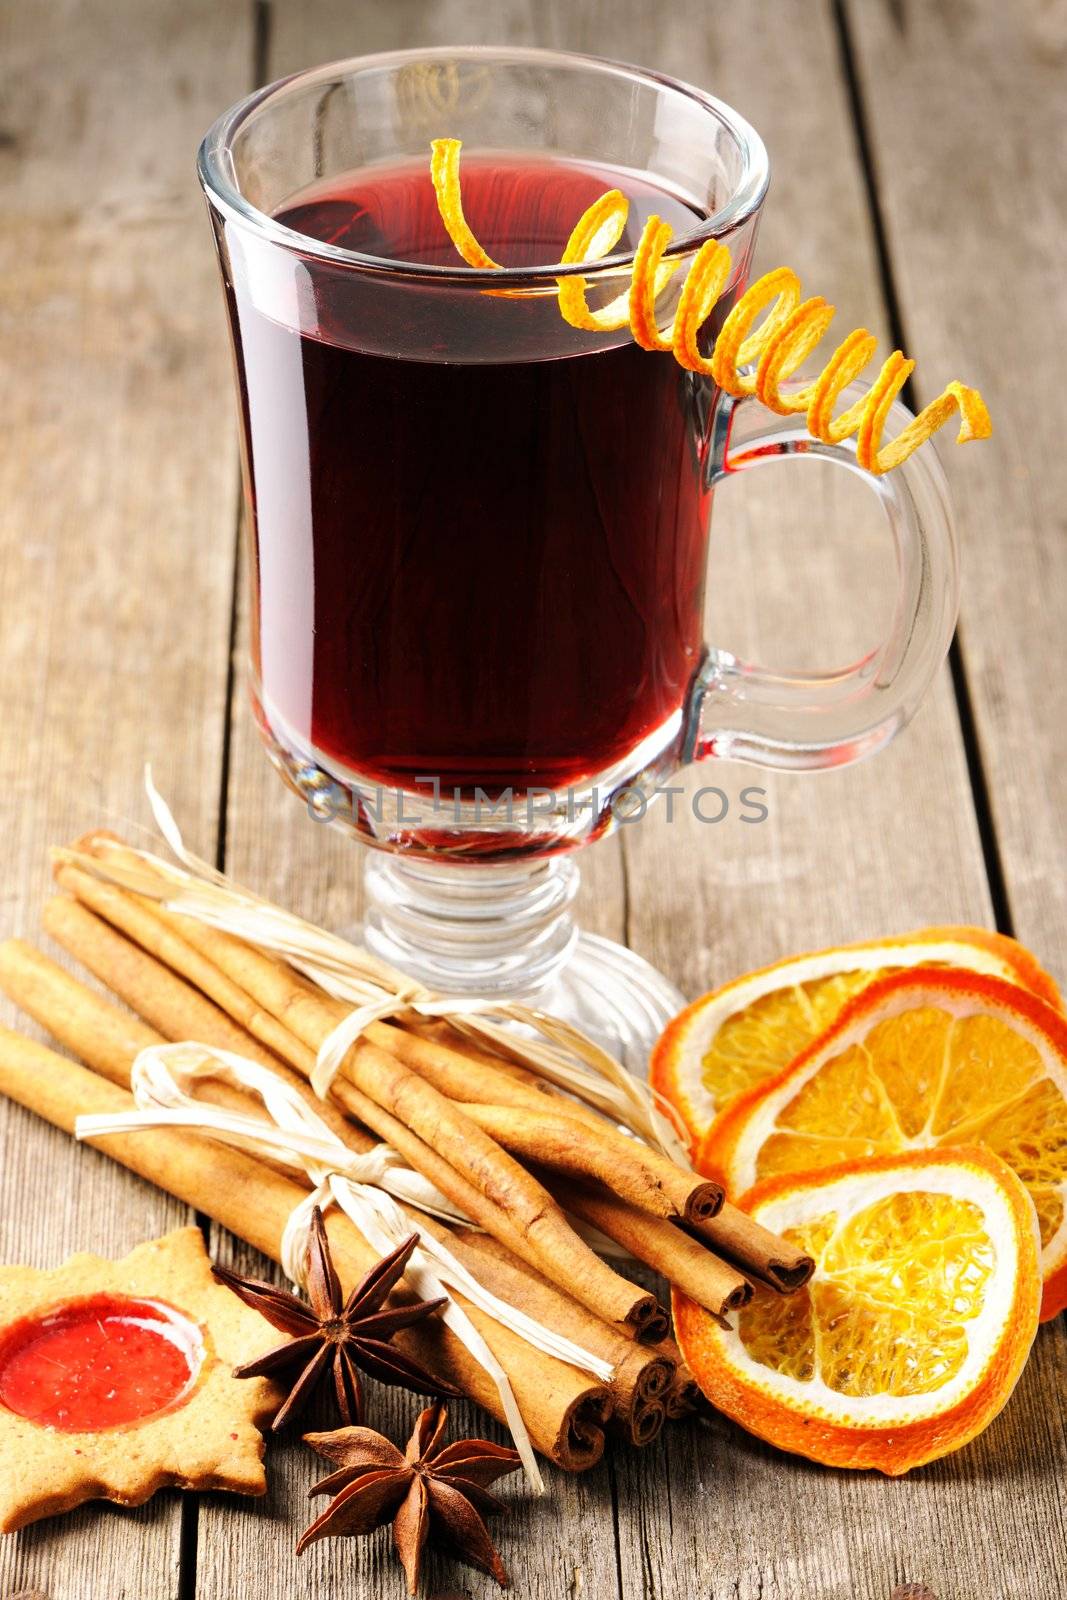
215	170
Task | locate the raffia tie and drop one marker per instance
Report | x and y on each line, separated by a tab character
361	1184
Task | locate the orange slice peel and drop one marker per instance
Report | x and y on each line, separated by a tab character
930	1058
749	1030
914	1329
743	362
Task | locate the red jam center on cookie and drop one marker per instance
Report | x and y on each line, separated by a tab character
98	1363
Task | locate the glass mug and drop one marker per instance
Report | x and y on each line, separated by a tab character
479	535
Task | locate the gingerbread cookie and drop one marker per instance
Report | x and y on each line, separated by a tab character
116	1379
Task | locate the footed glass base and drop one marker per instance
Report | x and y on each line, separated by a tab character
618	998
508	932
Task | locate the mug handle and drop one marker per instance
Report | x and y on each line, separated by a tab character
806	721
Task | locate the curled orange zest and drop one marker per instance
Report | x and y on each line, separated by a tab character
596	233
444	170
745	360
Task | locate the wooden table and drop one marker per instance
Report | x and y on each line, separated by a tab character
919	183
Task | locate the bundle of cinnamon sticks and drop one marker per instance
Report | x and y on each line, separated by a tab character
532	1168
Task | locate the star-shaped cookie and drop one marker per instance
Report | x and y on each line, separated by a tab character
116	1379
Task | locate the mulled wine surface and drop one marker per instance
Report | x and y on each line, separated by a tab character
485	570
98	1363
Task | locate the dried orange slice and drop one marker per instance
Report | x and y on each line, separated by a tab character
922	1059
737	1037
911	1334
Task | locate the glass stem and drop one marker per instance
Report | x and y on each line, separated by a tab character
466	929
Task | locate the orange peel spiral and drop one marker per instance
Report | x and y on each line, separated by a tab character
745	359
444	170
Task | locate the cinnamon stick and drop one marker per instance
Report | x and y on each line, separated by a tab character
305	1013
499	1227
458	1041
450	1035
690	1265
642	1373
90	1026
501	1179
563	1410
469	1076
159	936
174	1008
109	1039
756	1250
640	1175
644	1370
166	1001
685	1395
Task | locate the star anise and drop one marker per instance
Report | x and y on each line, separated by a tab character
332	1332
432	1489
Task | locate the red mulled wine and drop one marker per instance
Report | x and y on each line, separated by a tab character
479	536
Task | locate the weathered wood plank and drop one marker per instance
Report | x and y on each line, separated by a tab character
117	486
967	123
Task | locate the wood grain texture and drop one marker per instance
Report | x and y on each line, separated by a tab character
117	487
967	114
